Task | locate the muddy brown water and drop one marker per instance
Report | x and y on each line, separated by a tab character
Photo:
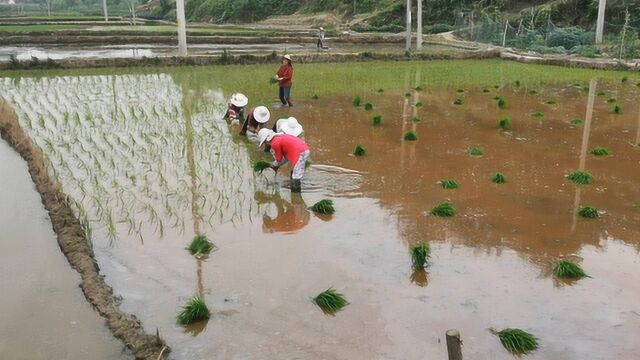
44	314
491	263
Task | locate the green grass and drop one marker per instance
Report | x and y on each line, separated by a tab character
600	151
580	177
416	119
475	151
443	209
499	178
502	103
360	150
616	109
538	114
576	122
376	120
357	101
410	136
368	106
420	256
496	86
458	101
504	123
418	88
588	212
330	301
324	206
260	166
567	269
517	342
449	184
40	27
195	310
200	245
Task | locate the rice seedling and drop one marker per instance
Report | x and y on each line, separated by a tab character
580	177
568	269
195	310
517	83
589	212
486	90
416	119
497	97
407	94
360	150
502	103
460	90
475	151
410	136
315	97
449	184
419	256
499	178
324	206
550	102
272	80
418	88
330	301
357	101
418	104
601	93
576	122
616	109
376	120
611	100
504	123
261	166
458	101
368	106
200	245
381	90
443	209
496	86
538	114
516	341
533	92
600	151
625	79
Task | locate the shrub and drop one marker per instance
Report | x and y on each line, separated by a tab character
586	51
437	28
567	38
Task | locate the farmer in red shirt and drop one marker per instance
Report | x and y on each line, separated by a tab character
287	148
283	76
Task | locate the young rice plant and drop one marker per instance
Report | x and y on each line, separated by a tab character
420	255
376	120
588	212
600	151
516	341
330	301
200	245
499	178
410	136
260	166
357	101
568	269
449	184
475	151
195	310
580	177
443	209
504	123
324	206
368	106
360	150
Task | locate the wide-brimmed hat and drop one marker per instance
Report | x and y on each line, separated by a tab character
288	57
261	114
289	126
265	135
239	100
321	28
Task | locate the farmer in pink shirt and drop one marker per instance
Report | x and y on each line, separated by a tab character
287	148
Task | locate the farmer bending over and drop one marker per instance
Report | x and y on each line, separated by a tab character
235	109
289	126
287	148
256	120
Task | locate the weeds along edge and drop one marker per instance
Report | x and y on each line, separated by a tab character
76	248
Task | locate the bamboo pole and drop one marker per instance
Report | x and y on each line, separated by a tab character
602	4
408	42
419	26
182	28
454	344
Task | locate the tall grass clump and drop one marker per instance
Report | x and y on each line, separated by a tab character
410	136
420	255
475	151
616	109
589	212
625	79
368	106
330	301
195	310
458	101
567	269
504	123
600	151
200	245
449	184
460	90
376	120
261	166
443	209
357	101
516	341
580	177
499	178
324	206
360	150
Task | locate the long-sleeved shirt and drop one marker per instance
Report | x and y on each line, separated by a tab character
286	73
287	147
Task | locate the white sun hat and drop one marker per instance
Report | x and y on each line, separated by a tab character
289	126
265	135
321	28
239	100
261	114
288	57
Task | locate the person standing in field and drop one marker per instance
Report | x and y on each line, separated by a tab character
320	44
256	120
286	148
284	76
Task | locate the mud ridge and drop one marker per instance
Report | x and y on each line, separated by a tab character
76	248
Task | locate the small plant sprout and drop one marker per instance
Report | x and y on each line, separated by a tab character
502	103
315	97
516	341
261	166
538	114
200	245
330	301
272	80
195	310
567	269
357	101
475	151
324	206
458	101
576	122
580	177
381	90
419	256
589	212
418	104
533	92
504	123
550	102
443	209
410	136
360	150
368	106
611	100
616	109
499	178
449	184
600	151
376	120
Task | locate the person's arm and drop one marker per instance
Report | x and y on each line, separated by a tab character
246	124
278	156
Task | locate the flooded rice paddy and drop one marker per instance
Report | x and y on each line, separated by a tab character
149	163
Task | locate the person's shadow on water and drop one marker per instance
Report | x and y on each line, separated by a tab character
291	215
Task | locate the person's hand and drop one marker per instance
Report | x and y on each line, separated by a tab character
274	167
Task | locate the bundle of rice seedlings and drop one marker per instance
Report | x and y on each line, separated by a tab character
315	97
538	114
601	93
200	245
600	151
330	301
486	90
496	86
567	269
502	103
418	104
517	83
499	178
625	79
376	120
497	97
475	151
416	119
460	90
533	92
272	80
504	123
357	101
458	101
550	102
407	94
576	122
360	150
381	90
449	184
443	209
195	310
260	166
516	341
368	106
588	212
418	88
420	255
410	136
580	177
611	100
616	109
324	206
